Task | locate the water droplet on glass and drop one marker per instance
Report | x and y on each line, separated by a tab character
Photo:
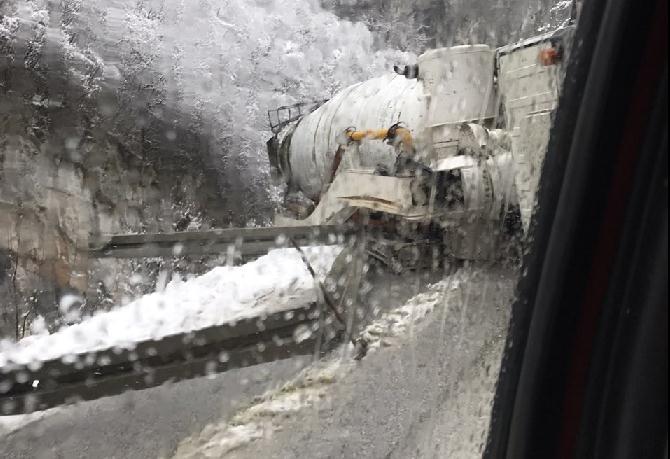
301	333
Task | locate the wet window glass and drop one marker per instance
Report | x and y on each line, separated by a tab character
265	228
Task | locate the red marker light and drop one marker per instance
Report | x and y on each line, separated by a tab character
549	56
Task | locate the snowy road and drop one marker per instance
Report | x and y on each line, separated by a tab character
144	424
425	394
428	380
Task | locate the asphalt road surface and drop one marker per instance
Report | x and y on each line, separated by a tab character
427	395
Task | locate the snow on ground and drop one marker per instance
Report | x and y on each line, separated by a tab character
274	282
9	424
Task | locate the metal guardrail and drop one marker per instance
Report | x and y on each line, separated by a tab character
241	243
96	374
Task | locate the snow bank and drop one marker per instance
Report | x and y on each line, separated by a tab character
9	424
274	282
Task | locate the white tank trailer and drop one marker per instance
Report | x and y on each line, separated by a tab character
450	148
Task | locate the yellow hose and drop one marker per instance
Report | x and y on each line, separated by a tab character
402	134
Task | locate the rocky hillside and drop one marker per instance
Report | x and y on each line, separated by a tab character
84	150
420	24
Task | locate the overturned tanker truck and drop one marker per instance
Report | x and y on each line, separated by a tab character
447	155
439	159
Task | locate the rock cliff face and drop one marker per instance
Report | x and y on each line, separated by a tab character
84	153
